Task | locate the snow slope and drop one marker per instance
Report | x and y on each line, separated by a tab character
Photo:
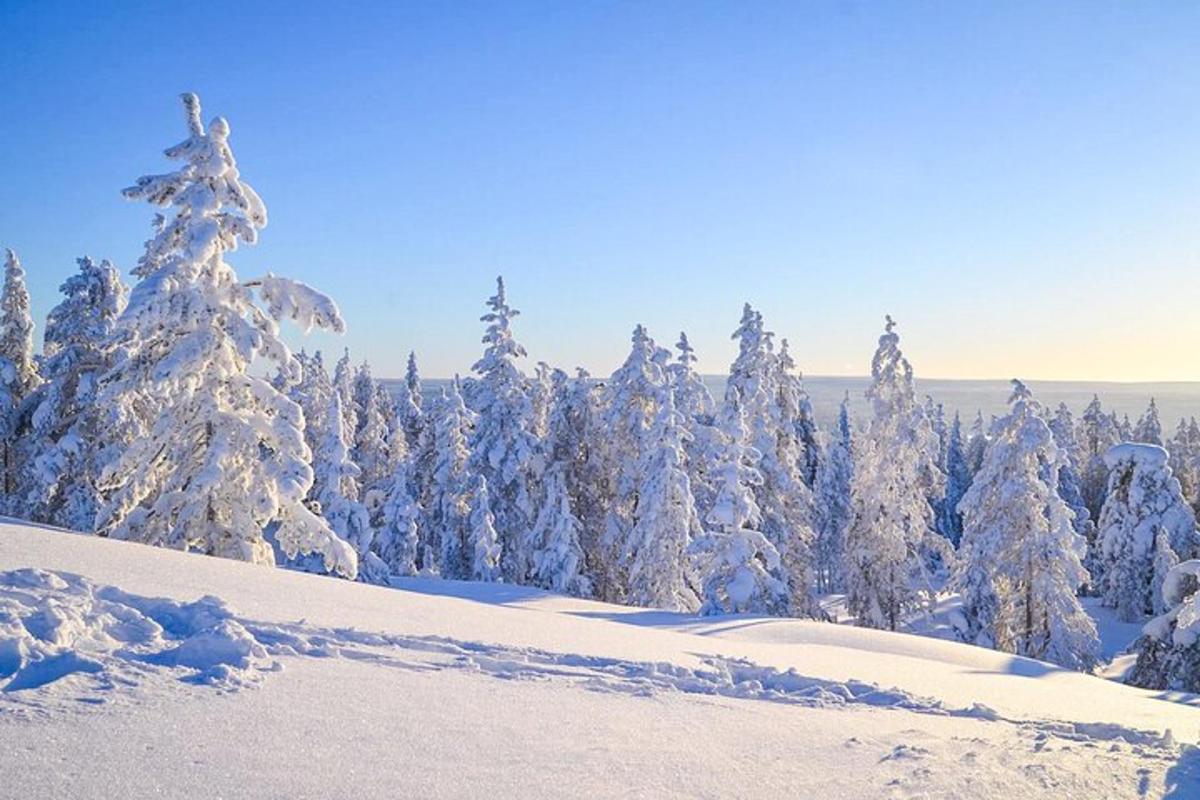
136	672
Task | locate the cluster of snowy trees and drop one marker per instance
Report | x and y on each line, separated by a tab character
173	414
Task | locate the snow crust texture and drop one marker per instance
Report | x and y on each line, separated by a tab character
56	626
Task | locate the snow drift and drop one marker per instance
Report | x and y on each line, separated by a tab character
148	672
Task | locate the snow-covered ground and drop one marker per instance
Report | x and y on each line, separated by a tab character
134	672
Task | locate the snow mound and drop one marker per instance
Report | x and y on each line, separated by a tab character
56	626
1149	456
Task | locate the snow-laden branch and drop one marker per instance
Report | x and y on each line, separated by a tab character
298	302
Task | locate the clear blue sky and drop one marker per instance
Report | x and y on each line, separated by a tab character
1018	184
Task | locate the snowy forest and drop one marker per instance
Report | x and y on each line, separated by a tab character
172	413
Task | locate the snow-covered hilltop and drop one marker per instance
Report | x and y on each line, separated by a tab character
151	673
173	414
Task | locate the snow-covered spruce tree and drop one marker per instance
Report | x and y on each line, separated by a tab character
792	467
483	544
312	392
343	385
1149	428
692	398
214	453
1184	448
448	506
424	460
1169	648
795	400
63	438
891	547
738	563
556	560
362	390
503	447
770	398
936	414
1144	500
977	444
693	401
835	480
1062	426
397	539
18	378
1165	560
371	452
1124	427
339	485
396	440
219	453
665	521
541	400
631	403
576	444
412	419
1020	559
958	480
1097	432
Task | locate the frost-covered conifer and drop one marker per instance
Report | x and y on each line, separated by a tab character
761	383
1124	427
738	563
691	396
1165	560
958	480
631	403
576	445
313	393
215	454
1143	501
556	560
1020	560
936	414
448	505
1149	429
1062	426
398	539
362	390
18	378
835	480
339	485
343	385
693	401
412	419
890	547
1097	432
541	400
1169	648
665	521
371	451
799	407
1181	458
977	444
64	435
1184	449
503	447
483	545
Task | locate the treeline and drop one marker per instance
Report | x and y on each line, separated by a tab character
148	417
